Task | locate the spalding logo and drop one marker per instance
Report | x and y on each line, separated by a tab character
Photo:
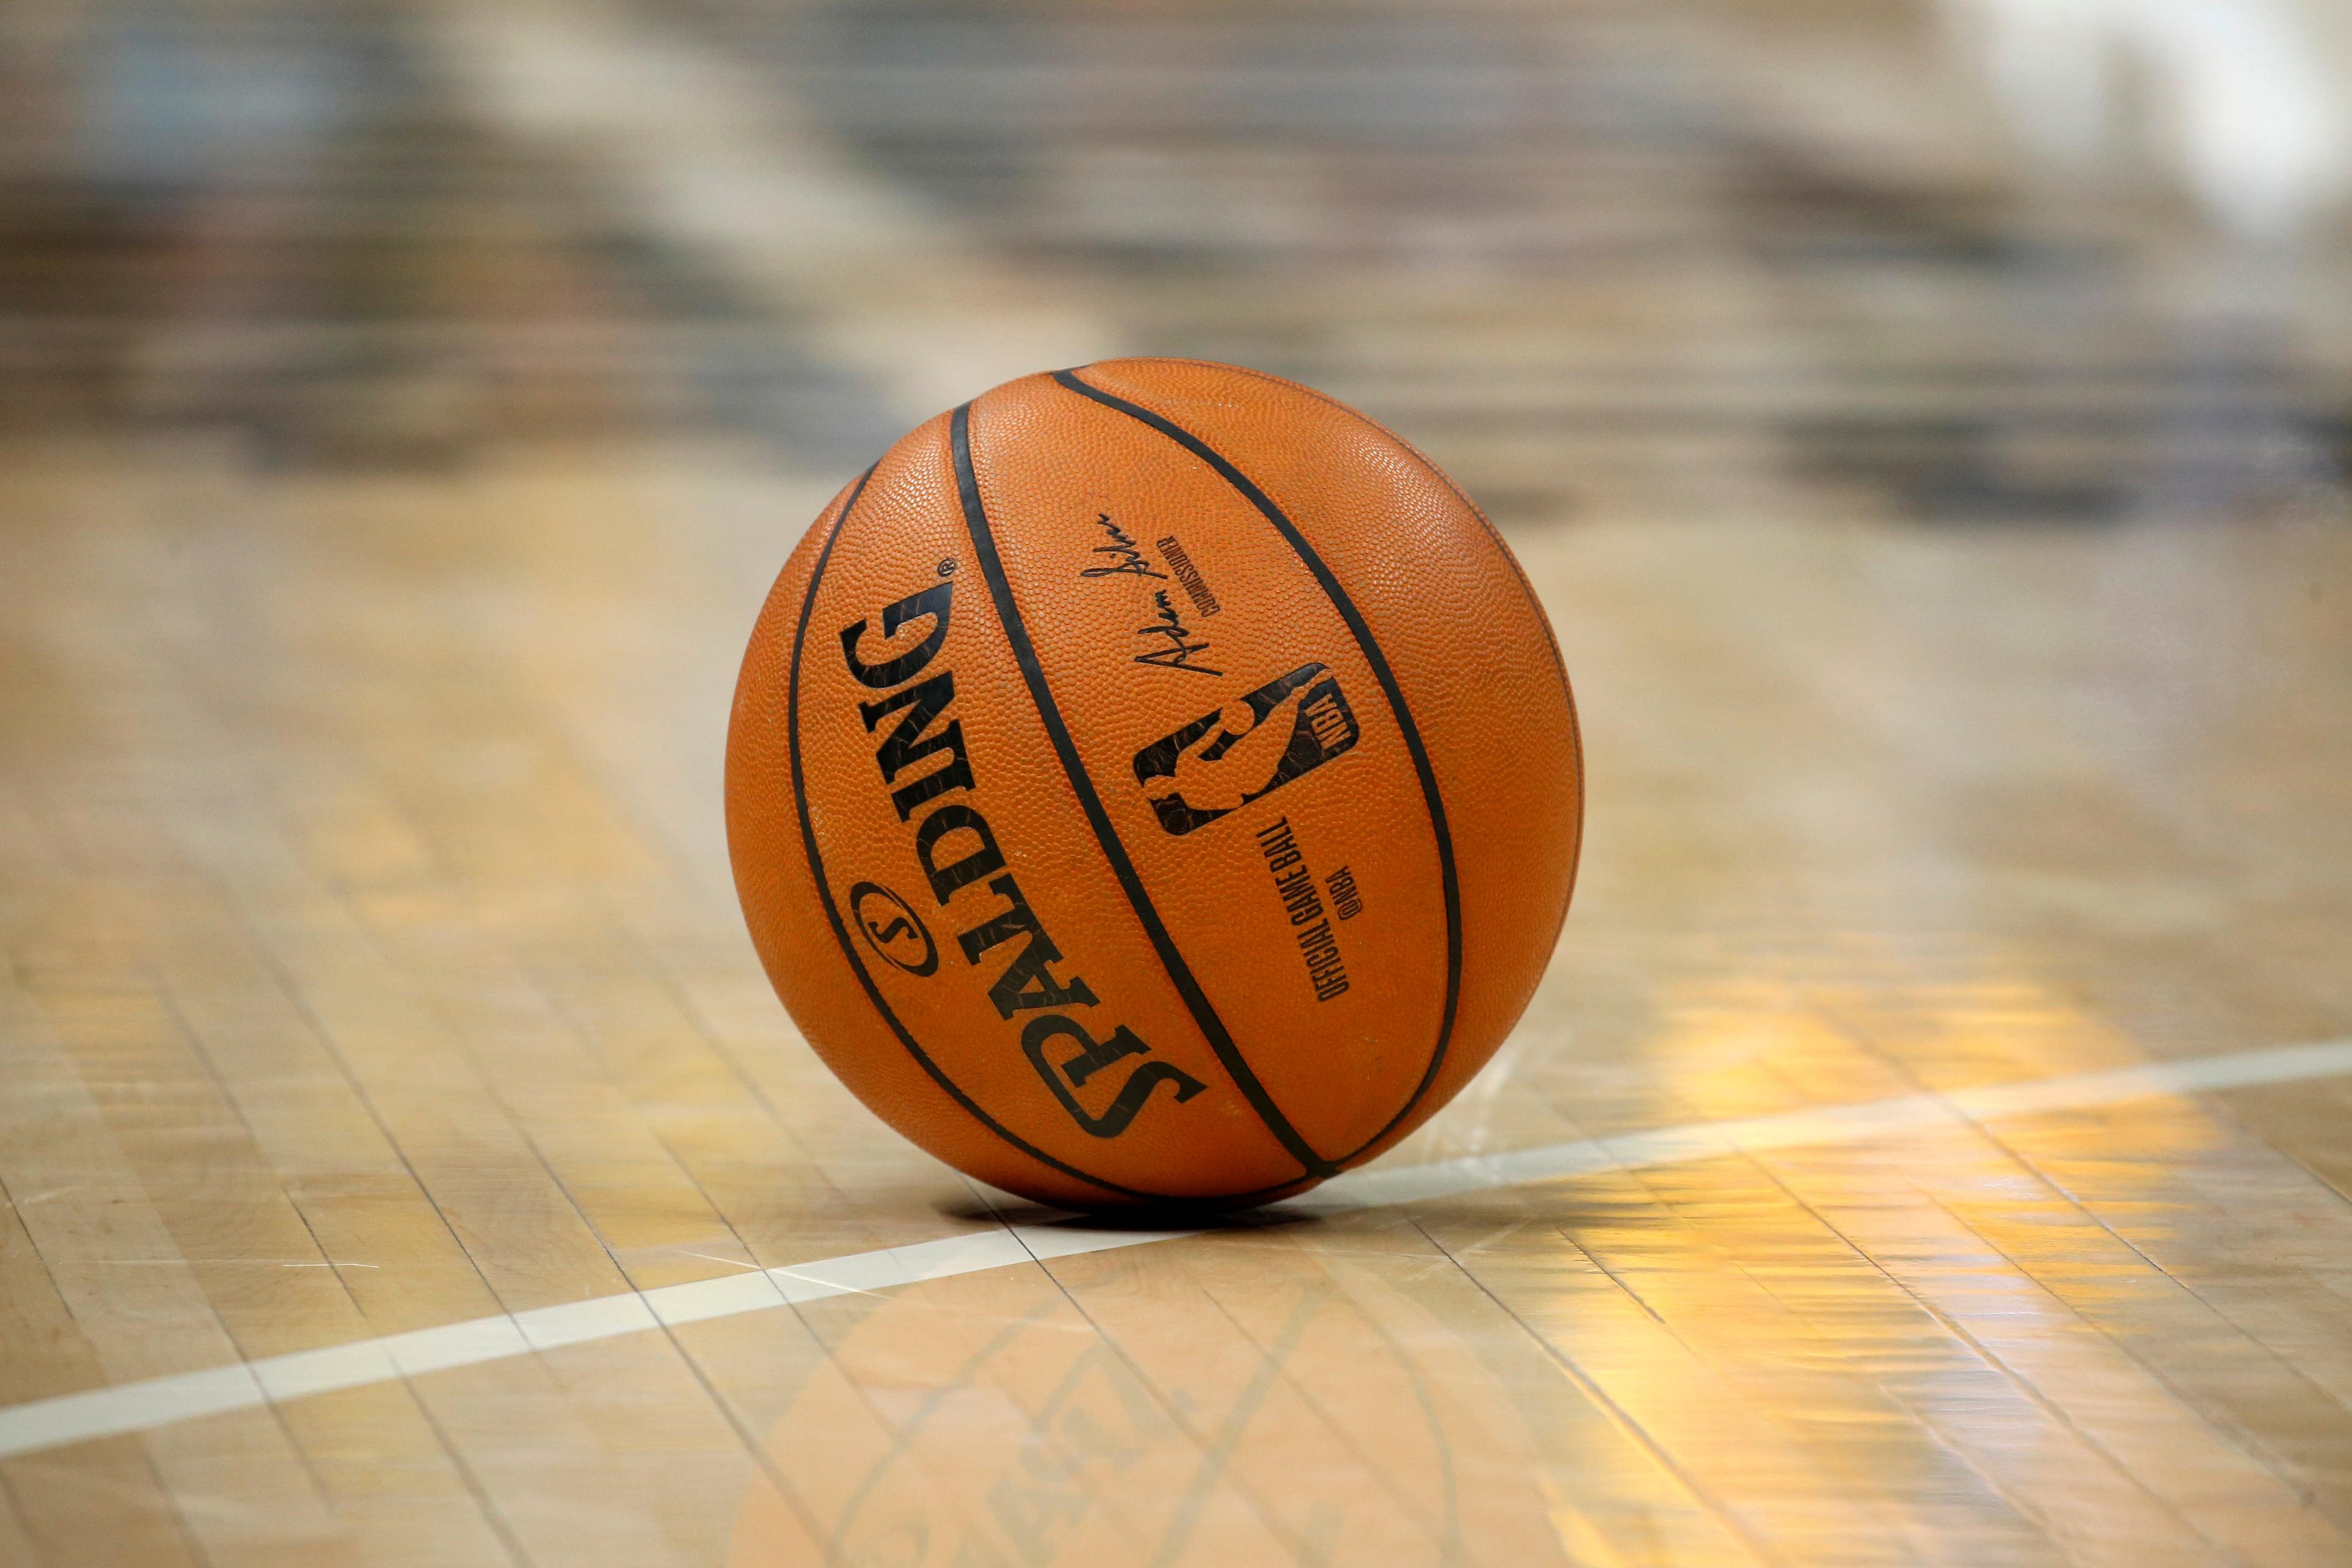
895	932
967	869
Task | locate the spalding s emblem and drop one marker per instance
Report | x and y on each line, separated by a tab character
893	930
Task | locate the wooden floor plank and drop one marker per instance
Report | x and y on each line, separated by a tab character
100	1503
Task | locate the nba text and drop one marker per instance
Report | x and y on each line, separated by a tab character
1326	970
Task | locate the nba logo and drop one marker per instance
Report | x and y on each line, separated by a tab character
1190	788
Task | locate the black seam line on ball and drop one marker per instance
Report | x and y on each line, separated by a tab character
841	931
1016	632
1381	672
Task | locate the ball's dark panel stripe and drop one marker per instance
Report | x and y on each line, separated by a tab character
1387	677
1016	632
833	913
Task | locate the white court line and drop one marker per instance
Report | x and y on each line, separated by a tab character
159	1402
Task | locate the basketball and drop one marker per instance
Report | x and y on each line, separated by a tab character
1153	783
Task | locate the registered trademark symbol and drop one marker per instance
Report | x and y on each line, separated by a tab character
948	567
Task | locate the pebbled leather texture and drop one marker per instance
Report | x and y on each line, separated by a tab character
1200	819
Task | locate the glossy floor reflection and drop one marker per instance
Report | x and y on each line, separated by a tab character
403	1161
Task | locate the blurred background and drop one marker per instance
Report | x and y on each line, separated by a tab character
2072	262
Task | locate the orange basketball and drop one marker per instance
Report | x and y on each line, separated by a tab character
1153	782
